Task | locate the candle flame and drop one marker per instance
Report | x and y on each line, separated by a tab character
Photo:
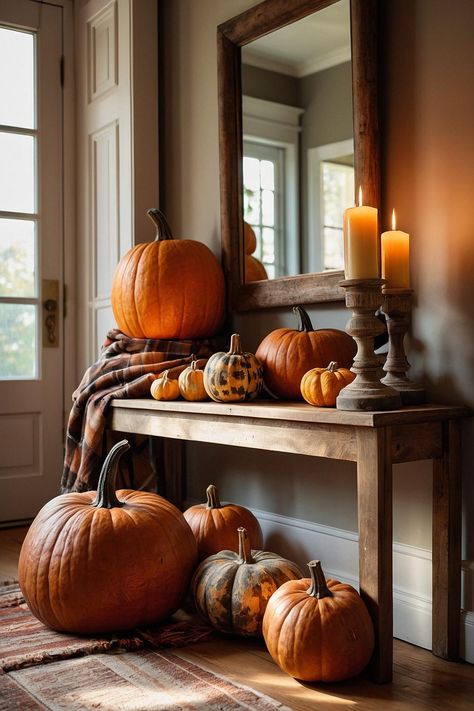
360	195
394	221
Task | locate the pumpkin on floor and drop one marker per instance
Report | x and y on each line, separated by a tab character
169	288
287	354
234	376
106	560
317	629
214	524
191	383
231	590
321	386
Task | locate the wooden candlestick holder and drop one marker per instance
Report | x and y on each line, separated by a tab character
366	392
396	305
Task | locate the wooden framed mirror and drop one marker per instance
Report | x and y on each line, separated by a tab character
234	37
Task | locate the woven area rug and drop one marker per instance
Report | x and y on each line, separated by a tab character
135	681
24	641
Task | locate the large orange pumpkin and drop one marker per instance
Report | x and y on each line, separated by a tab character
317	629
254	269
214	524
169	288
100	561
287	354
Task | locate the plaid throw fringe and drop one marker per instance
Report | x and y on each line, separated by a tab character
126	368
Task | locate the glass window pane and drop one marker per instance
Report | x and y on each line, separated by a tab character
268	208
17	71
17	172
333	248
17	341
252	173
267	169
17	258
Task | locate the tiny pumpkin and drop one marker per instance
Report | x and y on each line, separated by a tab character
191	383
317	629
214	524
234	376
321	386
286	354
231	590
164	387
106	560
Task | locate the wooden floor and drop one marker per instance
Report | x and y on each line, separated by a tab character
421	682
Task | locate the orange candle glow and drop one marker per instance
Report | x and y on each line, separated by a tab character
396	257
361	244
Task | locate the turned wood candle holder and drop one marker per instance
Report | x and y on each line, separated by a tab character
396	305
366	392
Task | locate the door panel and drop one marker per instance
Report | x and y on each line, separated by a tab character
31	249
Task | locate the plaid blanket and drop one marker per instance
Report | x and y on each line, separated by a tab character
126	368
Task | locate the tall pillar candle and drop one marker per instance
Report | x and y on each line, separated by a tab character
361	243
396	258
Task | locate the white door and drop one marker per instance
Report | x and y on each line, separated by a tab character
31	257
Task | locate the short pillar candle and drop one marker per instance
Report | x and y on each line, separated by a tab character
396	258
361	242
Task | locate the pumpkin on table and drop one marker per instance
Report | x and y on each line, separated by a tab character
191	383
321	386
164	388
214	524
317	629
287	354
106	560
231	590
234	376
169	288
250	238
254	269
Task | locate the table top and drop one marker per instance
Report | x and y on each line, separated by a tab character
297	412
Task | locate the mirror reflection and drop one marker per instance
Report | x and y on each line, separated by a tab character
298	148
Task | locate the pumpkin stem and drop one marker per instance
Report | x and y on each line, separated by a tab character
305	321
318	587
245	552
105	497
213	501
163	230
332	367
235	347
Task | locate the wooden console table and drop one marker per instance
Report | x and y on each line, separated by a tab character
375	441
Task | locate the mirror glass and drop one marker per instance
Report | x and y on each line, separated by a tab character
298	147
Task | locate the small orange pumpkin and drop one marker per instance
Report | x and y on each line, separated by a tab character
191	383
214	524
231	590
250	239
169	288
321	386
165	388
287	354
254	269
317	629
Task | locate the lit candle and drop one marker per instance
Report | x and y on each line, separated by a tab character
361	245
395	257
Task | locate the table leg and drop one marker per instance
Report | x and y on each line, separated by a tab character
374	497
446	544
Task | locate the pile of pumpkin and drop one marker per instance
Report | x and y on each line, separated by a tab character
109	560
174	289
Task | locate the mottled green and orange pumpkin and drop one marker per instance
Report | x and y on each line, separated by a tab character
317	629
106	560
169	288
214	524
231	590
234	376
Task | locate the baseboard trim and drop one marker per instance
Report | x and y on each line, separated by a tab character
337	549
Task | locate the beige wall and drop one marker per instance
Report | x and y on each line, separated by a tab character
428	172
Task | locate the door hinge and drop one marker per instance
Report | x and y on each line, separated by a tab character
61	70
64	301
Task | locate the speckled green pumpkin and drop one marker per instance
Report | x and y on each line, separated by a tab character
231	590
234	376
